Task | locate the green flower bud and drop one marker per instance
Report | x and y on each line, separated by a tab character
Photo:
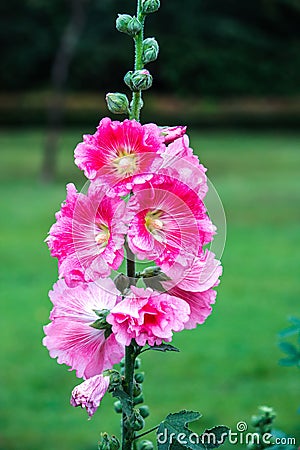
118	406
138	400
107	442
128	24
150	50
139	377
144	411
127	79
139	422
137	363
137	390
141	80
150	6
118	104
145	445
121	281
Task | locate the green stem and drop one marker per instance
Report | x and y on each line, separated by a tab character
128	434
146	432
136	105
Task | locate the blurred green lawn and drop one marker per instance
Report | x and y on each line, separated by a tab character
227	367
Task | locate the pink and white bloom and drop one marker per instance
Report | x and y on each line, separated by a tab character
89	394
170	222
148	317
70	337
88	235
195	284
120	153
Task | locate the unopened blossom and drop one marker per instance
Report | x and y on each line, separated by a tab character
89	394
88	235
120	153
195	284
70	336
170	222
148	317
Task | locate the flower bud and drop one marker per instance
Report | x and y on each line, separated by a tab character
141	80
150	50
137	390
118	406
150	6
139	422
128	24
118	104
139	377
107	442
144	411
138	400
145	445
137	363
127	79
121	281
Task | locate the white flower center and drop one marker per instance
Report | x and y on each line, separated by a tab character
155	225
125	163
102	236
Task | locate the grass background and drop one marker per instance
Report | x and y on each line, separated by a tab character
227	367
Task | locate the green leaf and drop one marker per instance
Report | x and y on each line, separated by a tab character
288	362
288	348
164	348
174	434
291	331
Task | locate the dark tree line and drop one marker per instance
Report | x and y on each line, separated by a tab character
211	47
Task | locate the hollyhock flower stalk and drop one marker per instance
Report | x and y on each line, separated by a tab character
144	201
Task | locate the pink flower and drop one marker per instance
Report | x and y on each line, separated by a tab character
120	153
89	394
202	274
88	235
70	337
194	285
172	133
199	302
147	316
170	223
180	162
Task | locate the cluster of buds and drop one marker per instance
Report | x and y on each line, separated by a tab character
139	79
263	423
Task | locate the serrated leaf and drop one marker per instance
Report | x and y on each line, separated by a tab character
164	348
288	348
173	433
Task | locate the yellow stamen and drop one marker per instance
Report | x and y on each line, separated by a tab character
125	163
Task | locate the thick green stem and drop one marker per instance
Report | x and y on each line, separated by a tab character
128	434
136	105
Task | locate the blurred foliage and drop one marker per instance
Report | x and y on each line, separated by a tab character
208	47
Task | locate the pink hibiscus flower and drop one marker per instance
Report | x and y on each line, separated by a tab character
170	222
88	235
194	285
89	394
120	153
70	337
148	316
